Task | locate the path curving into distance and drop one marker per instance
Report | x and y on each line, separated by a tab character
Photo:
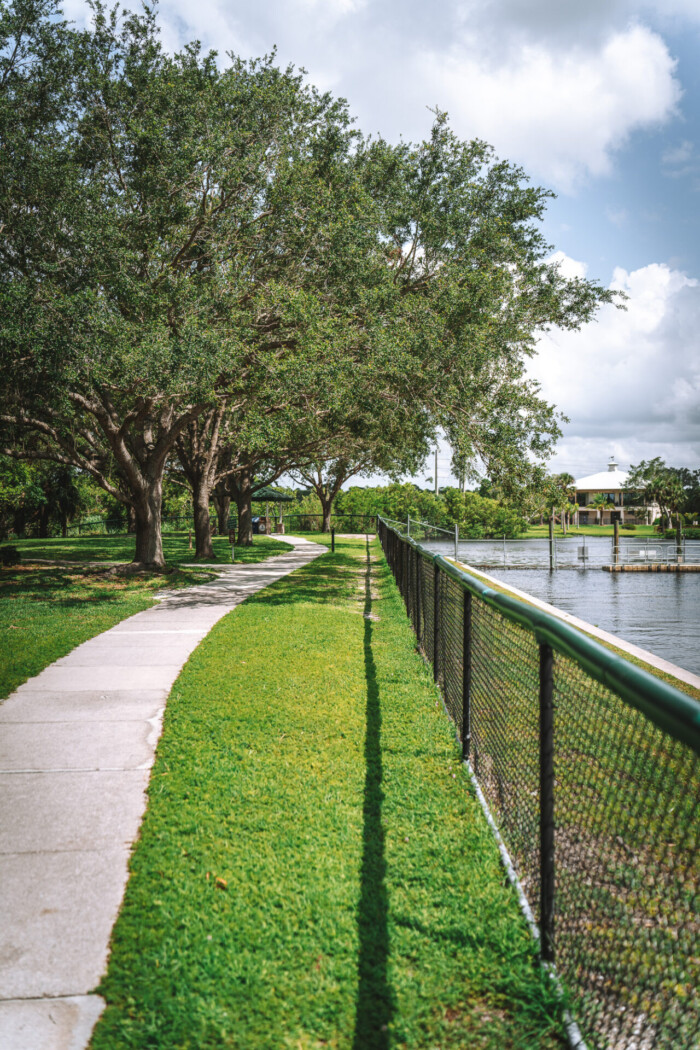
77	744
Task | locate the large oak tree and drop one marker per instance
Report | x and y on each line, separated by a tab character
194	243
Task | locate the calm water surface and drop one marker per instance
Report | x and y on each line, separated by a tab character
659	612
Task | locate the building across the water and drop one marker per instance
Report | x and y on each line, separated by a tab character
611	485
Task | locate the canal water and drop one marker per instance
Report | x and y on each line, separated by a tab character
656	611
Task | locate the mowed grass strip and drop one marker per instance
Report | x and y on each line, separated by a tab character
313	869
45	612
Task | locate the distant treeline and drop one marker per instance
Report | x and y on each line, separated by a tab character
477	516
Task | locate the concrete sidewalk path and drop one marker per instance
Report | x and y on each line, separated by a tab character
76	748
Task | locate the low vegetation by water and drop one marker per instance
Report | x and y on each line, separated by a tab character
313	868
542	531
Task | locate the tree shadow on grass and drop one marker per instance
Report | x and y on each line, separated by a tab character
64	587
375	996
71	587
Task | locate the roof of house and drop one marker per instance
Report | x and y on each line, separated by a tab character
610	480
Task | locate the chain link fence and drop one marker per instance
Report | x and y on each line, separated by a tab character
589	767
359	523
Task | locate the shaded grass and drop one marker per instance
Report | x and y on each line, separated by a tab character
313	869
47	611
121	548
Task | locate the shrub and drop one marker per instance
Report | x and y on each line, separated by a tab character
9	556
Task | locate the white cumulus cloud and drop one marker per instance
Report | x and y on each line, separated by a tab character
561	112
629	382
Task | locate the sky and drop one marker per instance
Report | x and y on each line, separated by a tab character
598	101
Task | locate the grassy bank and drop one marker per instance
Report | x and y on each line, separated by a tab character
46	611
313	869
639	532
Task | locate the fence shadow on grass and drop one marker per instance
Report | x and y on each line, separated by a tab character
375	996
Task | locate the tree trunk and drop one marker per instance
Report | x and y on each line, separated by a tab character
222	502
19	523
130	520
147	510
326	507
202	522
44	522
242	485
64	524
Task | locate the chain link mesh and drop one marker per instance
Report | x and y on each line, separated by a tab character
505	735
626	917
626	868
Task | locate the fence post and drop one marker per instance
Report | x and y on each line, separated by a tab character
412	586
456	542
466	675
616	543
551	545
436	619
419	608
547	802
333	539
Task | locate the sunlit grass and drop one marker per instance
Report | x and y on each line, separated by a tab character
313	869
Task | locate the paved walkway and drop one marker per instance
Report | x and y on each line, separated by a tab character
76	748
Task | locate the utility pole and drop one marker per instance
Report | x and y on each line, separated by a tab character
436	474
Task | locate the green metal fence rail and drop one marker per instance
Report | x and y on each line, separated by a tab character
589	768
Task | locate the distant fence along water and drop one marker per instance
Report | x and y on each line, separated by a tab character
567	552
589	767
98	526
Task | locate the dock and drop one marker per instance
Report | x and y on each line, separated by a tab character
653	567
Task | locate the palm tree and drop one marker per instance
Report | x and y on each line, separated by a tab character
567	486
601	502
560	489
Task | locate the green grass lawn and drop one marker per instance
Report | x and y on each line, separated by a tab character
313	869
46	611
121	548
